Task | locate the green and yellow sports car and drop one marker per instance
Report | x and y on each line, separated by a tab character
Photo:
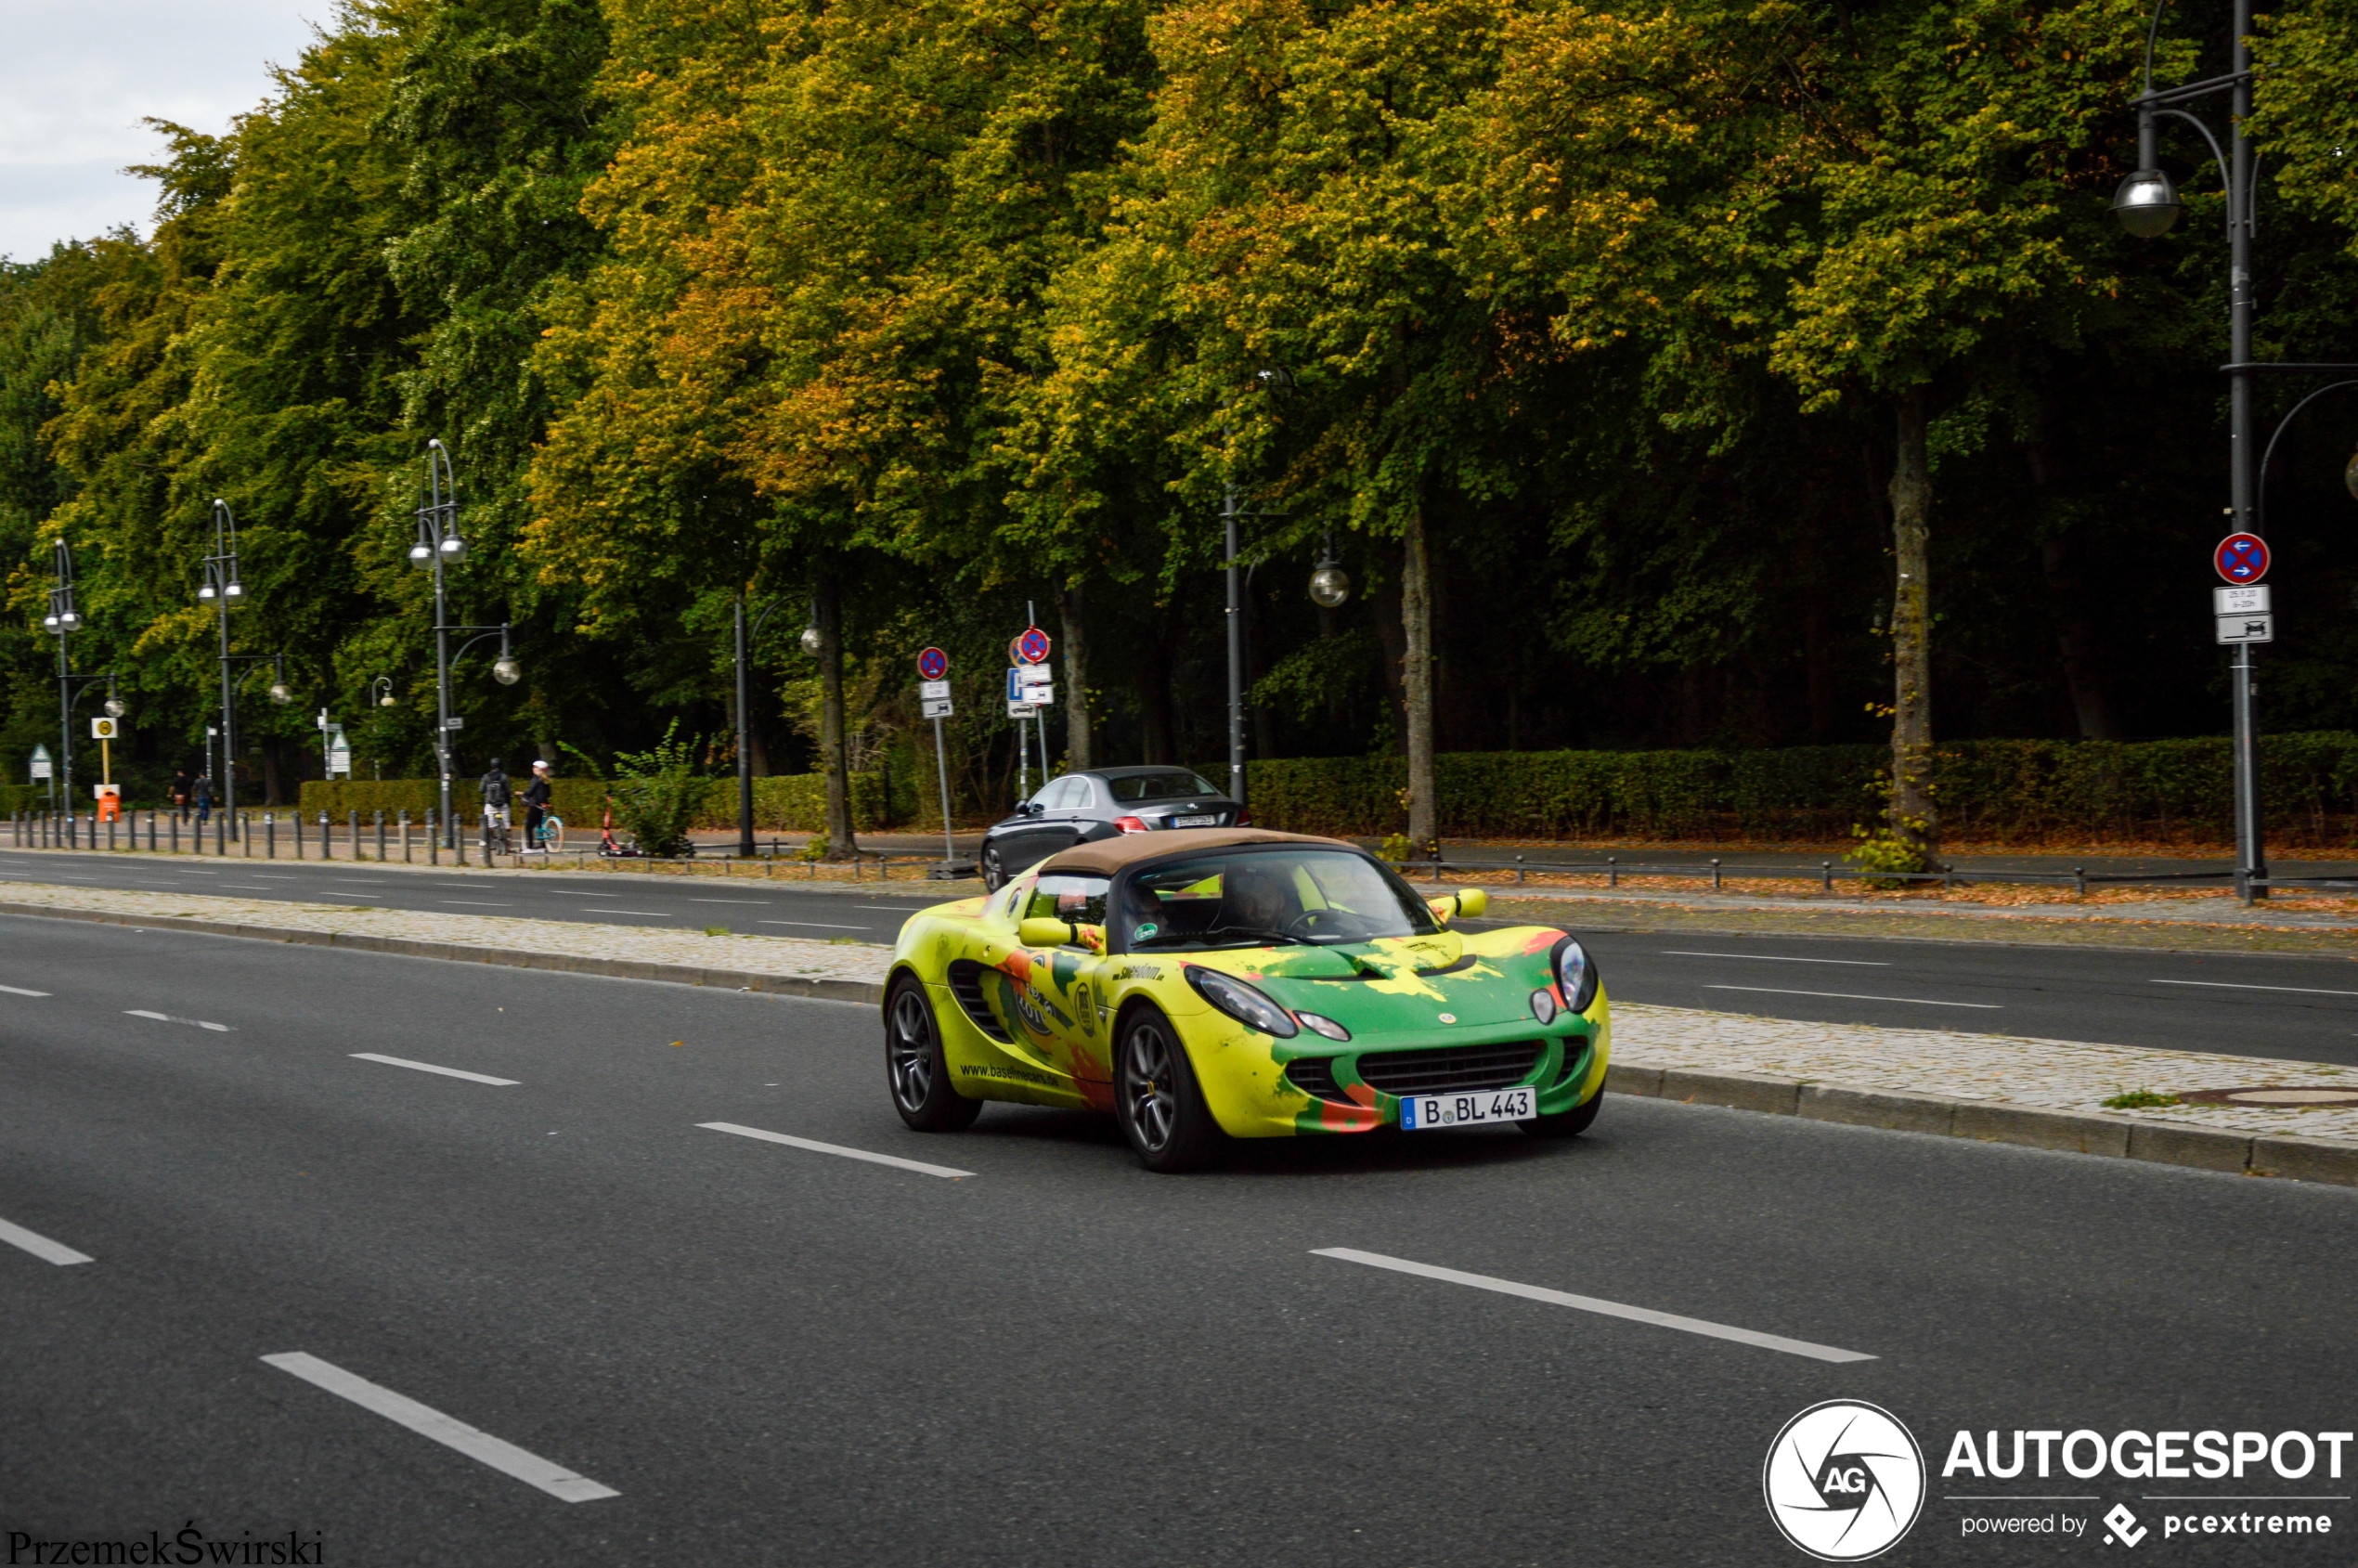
1228	980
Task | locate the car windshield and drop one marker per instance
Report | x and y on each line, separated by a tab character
1257	897
1158	787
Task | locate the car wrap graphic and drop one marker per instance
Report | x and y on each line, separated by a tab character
1051	1017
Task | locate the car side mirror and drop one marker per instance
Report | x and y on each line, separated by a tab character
1030	808
1472	903
1039	931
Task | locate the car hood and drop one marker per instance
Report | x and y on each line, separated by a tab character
1398	984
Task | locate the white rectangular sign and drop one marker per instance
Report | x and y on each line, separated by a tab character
1039	694
102	728
936	708
42	767
934	690
2246	629
2240	601
1022	710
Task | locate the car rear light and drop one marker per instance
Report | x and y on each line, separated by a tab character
1244	816
1129	824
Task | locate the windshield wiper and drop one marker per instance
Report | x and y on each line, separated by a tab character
1259	931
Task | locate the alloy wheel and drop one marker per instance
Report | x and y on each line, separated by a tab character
1154	1103
912	1049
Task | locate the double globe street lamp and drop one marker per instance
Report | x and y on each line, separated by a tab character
220	587
439	544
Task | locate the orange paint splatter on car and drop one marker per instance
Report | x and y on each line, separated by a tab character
1356	1118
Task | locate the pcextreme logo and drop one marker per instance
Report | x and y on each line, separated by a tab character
1843	1481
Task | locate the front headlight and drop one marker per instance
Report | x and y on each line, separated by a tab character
1575	975
1243	1003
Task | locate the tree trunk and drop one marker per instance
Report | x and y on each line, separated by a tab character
269	774
1077	740
1416	676
834	755
1914	815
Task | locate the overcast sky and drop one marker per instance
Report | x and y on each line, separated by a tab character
77	77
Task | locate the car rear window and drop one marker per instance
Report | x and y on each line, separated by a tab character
1158	787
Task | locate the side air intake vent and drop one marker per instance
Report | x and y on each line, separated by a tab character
966	984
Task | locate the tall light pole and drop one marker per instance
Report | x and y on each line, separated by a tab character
221	588
64	620
438	543
2147	205
747	629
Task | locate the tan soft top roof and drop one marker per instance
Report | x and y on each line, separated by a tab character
1103	857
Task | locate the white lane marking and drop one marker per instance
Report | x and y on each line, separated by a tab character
814	925
659	913
254	884
19	990
2229	985
429	1067
1591	1303
1778	958
41	1246
168	1019
1854	996
476	903
743	903
451	1432
818	1147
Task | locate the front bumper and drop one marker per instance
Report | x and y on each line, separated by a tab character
1257	1087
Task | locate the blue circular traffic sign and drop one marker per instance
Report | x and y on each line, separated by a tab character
2241	558
933	664
1032	646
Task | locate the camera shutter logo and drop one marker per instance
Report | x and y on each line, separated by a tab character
1843	1481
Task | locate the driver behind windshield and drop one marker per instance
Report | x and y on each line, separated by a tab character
1256	898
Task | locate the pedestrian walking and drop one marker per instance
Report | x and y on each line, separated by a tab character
180	793
205	799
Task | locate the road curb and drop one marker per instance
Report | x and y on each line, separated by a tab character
2117	1138
460	952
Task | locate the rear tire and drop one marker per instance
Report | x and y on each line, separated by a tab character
915	1070
994	875
1566	1123
1155	1098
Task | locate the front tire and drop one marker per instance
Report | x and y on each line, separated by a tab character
914	1068
1566	1123
1155	1098
994	874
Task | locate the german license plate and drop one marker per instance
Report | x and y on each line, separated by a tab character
1195	821
1424	1113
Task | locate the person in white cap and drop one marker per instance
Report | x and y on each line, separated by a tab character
536	805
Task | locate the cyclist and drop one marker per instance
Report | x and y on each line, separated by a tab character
535	806
495	807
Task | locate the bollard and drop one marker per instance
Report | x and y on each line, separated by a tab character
405	835
1714	873
433	837
381	838
1518	870
297	816
855	865
1828	867
352	831
110	836
221	835
175	833
327	838
2080	879
151	832
1613	871
270	835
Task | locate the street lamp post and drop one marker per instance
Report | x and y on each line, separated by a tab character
221	588
2147	205
64	620
747	629
437	544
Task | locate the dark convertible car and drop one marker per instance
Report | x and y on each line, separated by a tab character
1102	803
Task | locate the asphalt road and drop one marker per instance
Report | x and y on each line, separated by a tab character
772	1352
2298	1008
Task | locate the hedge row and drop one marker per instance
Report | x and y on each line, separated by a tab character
787	803
1988	791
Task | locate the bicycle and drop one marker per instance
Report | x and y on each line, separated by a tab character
496	832
548	835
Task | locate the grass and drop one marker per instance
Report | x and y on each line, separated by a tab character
2141	1099
716	930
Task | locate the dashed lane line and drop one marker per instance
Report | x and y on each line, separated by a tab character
426	1421
41	1246
429	1067
2230	985
1591	1303
1855	996
1778	958
656	913
19	990
817	1147
168	1019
